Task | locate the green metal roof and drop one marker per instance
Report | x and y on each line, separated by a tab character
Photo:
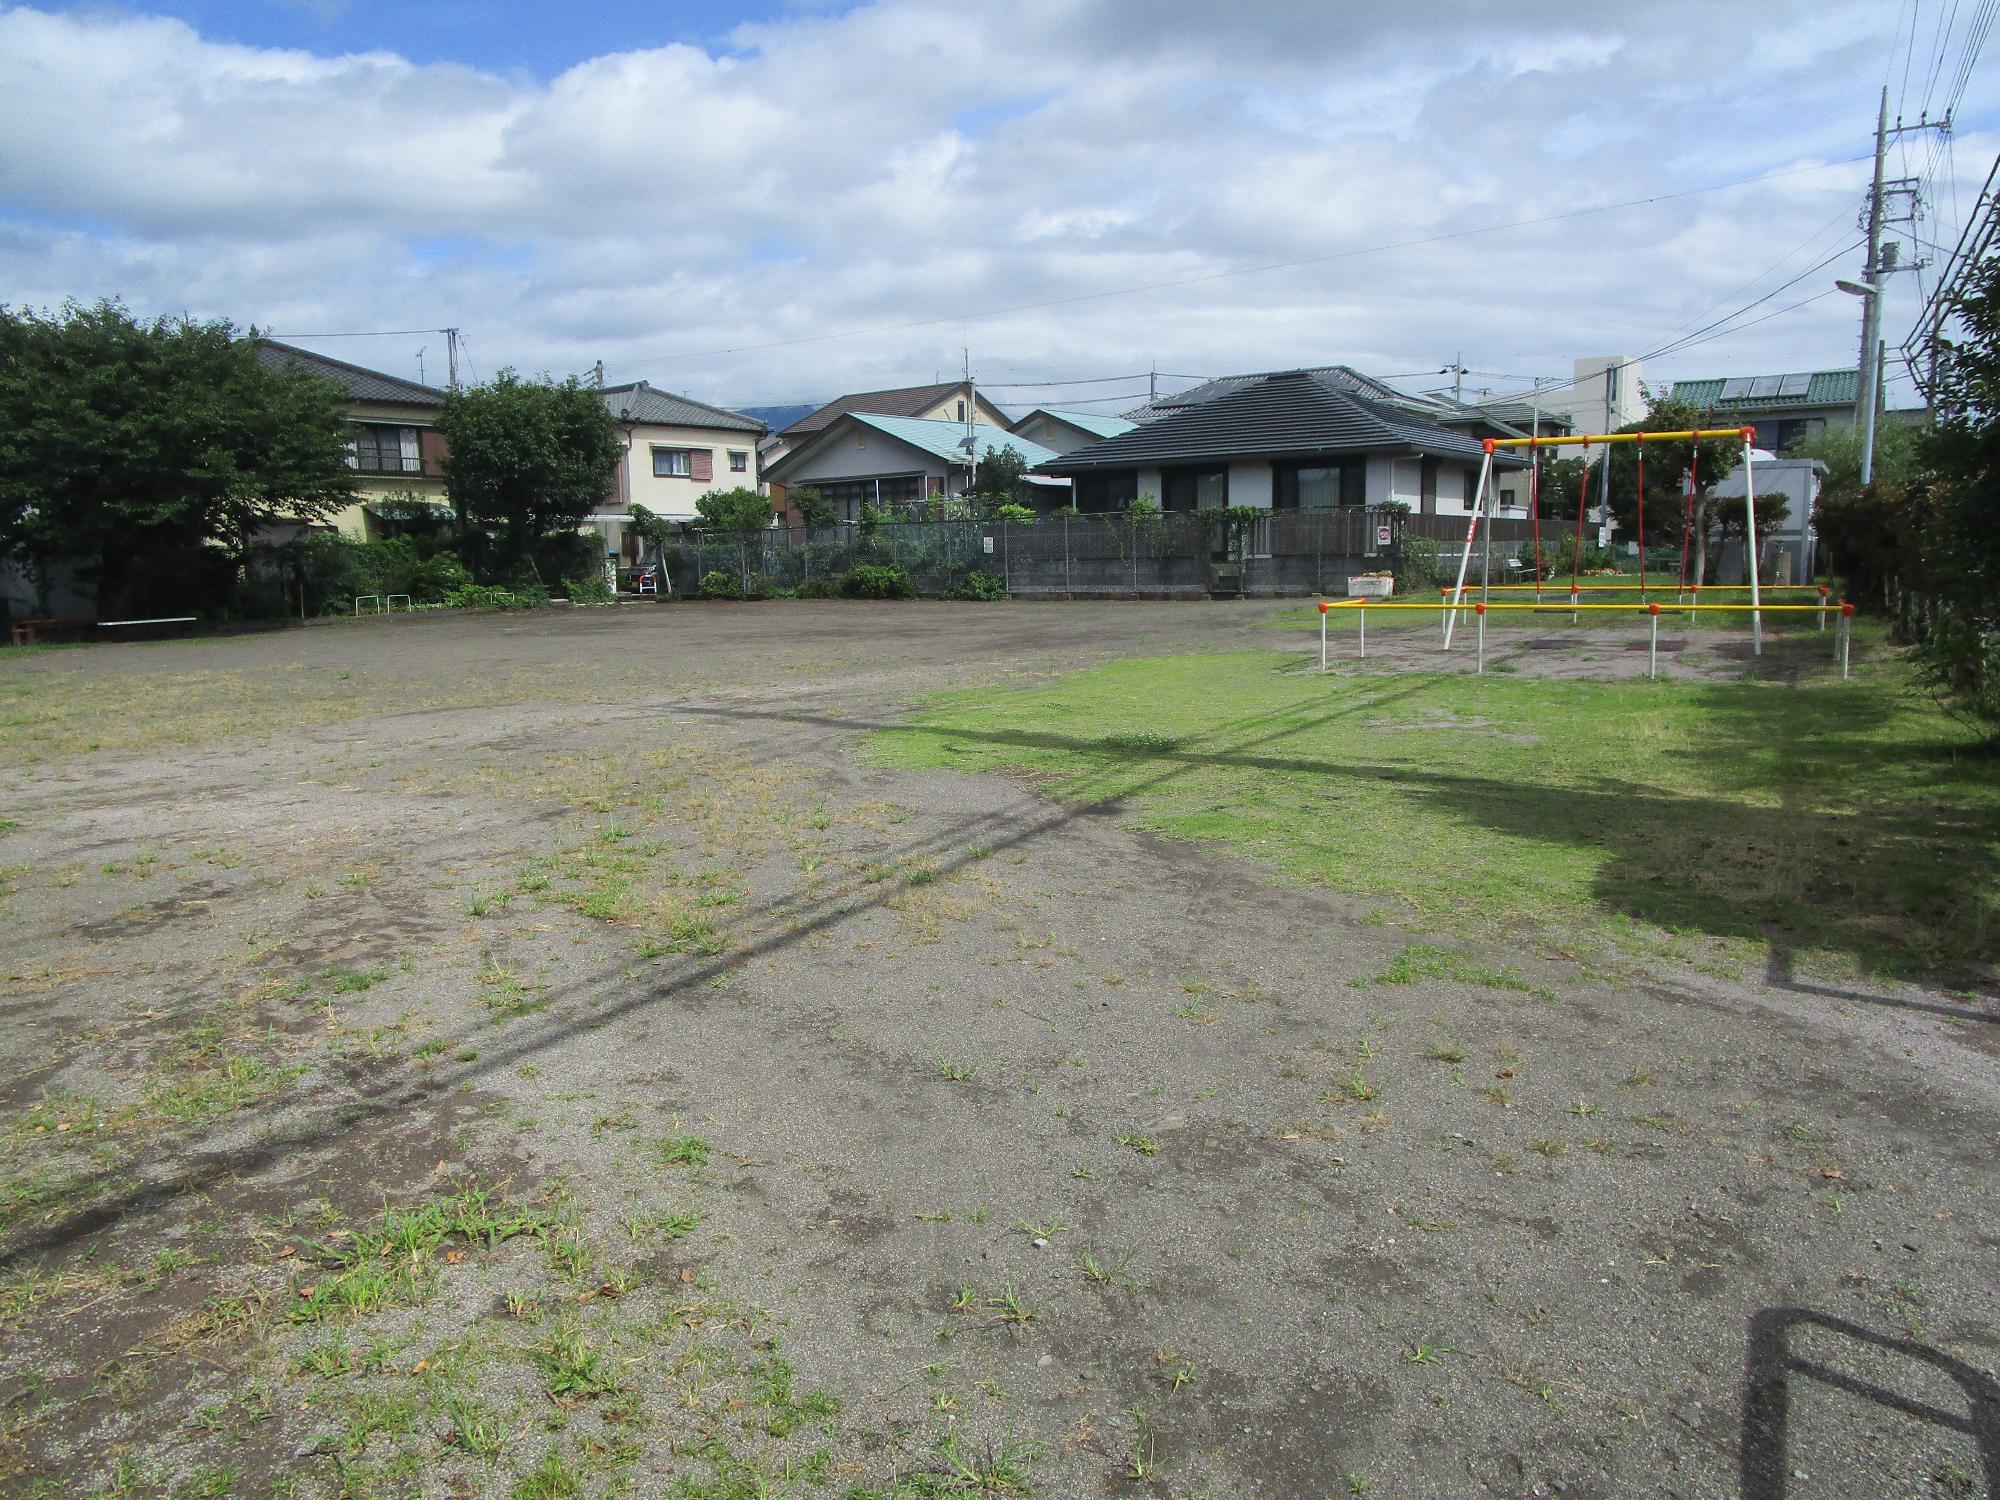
946	439
1094	423
1768	392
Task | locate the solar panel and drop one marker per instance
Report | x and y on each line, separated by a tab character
1736	388
1794	385
1765	385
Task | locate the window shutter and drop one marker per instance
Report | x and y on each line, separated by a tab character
435	449
703	463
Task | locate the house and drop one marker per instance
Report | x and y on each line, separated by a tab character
1062	431
1785	547
676	451
396	450
1784	409
866	459
1604	394
949	402
1298	439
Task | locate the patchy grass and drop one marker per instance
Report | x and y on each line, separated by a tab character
1850	824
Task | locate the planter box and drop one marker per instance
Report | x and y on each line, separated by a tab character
1370	588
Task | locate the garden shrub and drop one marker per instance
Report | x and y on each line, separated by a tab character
717	584
872	581
983	587
493	596
817	588
591	589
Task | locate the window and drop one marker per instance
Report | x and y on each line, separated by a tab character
1194	489
673	463
1100	493
1319	486
379	449
739	460
961	411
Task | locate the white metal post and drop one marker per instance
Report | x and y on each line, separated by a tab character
1322	637
1481	611
1363	607
1653	645
1750	531
1465	558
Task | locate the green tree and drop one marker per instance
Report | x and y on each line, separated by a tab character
813	509
1000	481
1667	467
529	460
152	454
736	512
1951	546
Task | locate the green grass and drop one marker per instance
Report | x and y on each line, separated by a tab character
1853	826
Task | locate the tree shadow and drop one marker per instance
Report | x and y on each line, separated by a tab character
1773	1367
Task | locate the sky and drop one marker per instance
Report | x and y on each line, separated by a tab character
767	203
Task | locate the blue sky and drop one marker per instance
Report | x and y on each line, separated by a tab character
535	40
773	203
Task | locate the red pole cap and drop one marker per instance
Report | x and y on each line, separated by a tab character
1479	609
1652	609
1749	434
1822	591
1324	606
1487	443
1846	608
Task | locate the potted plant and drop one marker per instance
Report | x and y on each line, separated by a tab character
1370	585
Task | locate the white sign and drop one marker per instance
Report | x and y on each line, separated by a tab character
1381	536
1604	536
989	545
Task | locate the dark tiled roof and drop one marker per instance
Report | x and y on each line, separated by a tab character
1522	415
1344	377
1304	412
360	383
906	401
1769	392
639	402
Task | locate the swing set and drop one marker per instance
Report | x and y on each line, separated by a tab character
1453	601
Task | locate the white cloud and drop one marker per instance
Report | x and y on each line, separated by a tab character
910	161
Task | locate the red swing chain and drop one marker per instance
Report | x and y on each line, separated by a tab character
1534	505
1576	554
1687	508
1642	518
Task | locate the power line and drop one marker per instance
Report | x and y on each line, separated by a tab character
1283	265
369	333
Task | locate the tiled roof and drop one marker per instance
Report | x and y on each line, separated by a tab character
905	401
1301	413
947	439
1344	377
1087	421
359	383
1761	392
639	402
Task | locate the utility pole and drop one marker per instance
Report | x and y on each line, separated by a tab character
971	442
1456	370
597	374
1153	383
451	354
420	367
1871	305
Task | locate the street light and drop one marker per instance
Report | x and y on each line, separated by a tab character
1870	292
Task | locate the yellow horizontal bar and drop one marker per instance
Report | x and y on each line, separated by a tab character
1579	440
1633	588
1552	607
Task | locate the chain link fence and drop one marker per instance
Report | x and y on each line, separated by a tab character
1180	554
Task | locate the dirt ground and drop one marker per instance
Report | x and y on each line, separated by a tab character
541	1055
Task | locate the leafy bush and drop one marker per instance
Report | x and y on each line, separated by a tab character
1013	513
717	584
430	581
492	596
1419	565
870	581
591	589
821	587
983	587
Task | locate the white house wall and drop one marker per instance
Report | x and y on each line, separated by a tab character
673	496
878	456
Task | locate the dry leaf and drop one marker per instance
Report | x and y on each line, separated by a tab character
287	1250
687	1275
420	1366
307	1291
1289	1135
1504	1073
454	1257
